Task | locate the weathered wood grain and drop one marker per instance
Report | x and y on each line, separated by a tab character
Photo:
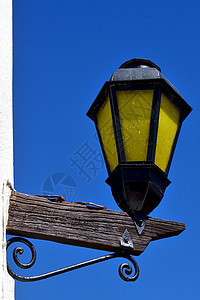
77	224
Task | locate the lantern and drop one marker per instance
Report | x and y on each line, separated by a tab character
138	116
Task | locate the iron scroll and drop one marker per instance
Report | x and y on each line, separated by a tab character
124	269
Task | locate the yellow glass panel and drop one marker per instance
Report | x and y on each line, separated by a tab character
105	125
135	114
167	128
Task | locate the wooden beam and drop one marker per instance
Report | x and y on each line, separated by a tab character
81	225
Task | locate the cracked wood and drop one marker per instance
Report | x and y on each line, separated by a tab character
77	224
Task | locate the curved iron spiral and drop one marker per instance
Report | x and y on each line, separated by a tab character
20	251
126	268
123	268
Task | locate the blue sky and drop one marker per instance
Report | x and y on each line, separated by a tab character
63	53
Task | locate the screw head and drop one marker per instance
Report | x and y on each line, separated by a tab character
140	223
125	239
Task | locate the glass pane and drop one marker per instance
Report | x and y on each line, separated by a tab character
167	128
135	114
105	125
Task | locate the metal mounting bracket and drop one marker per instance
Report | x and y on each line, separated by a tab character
123	268
126	241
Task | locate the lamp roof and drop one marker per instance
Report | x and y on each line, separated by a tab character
140	71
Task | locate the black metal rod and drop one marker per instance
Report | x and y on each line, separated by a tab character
124	268
174	144
117	125
102	147
153	131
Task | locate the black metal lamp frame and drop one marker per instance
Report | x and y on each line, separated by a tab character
159	86
129	176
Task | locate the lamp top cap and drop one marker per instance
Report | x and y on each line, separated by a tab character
139	63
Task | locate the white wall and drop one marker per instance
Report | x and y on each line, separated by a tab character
6	138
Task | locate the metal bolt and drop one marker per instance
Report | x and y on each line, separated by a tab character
126	240
140	223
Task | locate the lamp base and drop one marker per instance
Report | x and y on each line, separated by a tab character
138	187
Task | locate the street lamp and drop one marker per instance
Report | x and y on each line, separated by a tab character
138	116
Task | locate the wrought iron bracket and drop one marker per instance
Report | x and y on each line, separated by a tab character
124	269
